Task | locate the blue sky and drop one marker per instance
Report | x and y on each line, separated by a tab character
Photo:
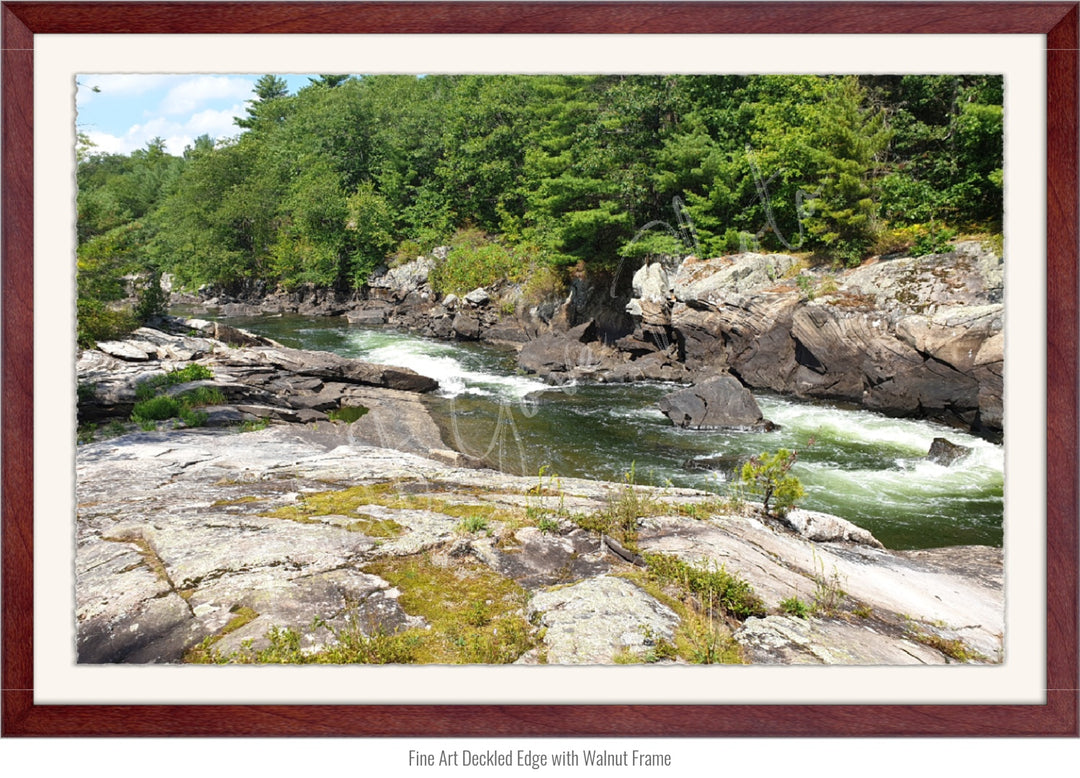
130	109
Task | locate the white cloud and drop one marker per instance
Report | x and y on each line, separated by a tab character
191	94
176	134
103	143
217	124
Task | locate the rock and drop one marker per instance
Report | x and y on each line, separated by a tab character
824	528
537	559
652	292
179	534
651	283
367	317
723	463
593	621
793	641
238	337
478	297
399	282
711	281
571	352
450	301
466	326
945	452
718	402
326	365
135	351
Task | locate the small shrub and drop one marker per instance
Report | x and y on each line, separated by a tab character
193	372
862	611
475	260
718	587
793	606
827	593
769	475
935	240
473	524
155	409
702	642
406	252
86	392
202	395
954	648
193	418
548	525
914	239
544	284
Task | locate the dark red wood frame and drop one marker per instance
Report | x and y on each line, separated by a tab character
21	717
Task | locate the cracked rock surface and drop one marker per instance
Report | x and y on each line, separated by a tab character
179	531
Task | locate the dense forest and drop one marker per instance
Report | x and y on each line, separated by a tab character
532	178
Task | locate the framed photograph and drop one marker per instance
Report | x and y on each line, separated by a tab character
830	631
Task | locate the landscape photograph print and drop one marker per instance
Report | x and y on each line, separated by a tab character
540	369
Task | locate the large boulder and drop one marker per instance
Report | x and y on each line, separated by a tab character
719	402
559	352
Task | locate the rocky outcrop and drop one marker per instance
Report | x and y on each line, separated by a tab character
211	538
260	380
907	336
903	336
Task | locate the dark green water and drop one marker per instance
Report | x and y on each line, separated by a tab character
862	466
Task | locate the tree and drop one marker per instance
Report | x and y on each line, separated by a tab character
769	476
329	81
268	105
946	154
817	138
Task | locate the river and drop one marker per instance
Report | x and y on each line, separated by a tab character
865	467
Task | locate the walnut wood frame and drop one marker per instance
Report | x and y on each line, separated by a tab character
20	715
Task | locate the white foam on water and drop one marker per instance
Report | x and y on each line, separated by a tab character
443	362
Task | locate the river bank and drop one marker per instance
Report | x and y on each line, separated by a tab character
307	539
917	337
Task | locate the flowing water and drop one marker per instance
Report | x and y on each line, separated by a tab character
867	468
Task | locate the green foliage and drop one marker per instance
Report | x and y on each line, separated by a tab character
793	606
954	648
370	223
619	518
156	409
532	175
548	525
473	524
255	425
934	240
191	372
828	594
153	407
768	475
729	592
475	260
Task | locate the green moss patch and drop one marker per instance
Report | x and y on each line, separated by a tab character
476	616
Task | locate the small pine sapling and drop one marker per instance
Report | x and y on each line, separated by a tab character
769	476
